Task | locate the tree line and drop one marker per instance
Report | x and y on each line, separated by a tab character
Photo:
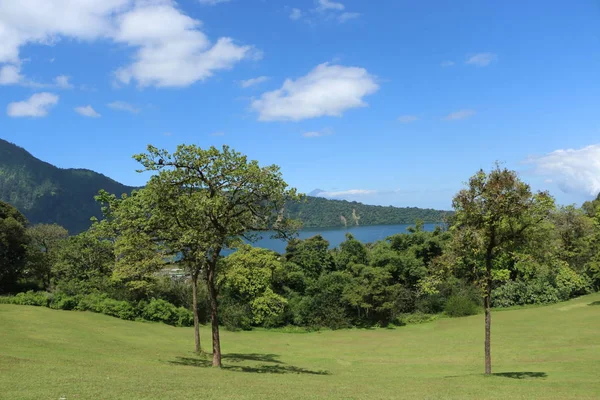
503	246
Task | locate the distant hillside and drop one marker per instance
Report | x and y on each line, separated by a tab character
318	212
47	194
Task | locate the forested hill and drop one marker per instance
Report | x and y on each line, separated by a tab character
47	194
318	212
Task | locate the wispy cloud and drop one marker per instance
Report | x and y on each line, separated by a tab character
123	106
327	90
324	10
253	81
346	193
574	170
87	111
11	75
458	115
36	106
406	119
212	2
324	5
316	134
296	14
347	16
447	63
219	133
481	59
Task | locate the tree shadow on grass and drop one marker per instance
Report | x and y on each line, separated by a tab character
511	375
238	357
521	375
595	303
277	367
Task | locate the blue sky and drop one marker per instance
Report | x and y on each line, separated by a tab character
384	102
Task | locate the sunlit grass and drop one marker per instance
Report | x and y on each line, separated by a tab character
545	352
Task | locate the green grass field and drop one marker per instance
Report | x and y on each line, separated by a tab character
544	352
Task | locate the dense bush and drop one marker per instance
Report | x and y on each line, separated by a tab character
162	311
460	305
155	310
31	298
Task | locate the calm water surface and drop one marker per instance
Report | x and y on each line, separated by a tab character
335	236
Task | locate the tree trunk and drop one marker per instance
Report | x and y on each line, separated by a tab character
195	311
487	300
488	328
214	317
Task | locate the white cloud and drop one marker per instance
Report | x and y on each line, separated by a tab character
327	90
87	111
348	16
62	82
170	49
212	2
10	75
574	170
123	106
315	134
296	14
218	134
458	115
447	63
36	106
481	59
253	81
346	193
406	119
323	5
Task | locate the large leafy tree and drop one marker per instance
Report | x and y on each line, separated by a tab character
494	215
248	276
199	203
46	240
13	245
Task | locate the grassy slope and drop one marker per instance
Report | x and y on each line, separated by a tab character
46	354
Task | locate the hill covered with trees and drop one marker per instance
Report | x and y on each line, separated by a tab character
317	212
47	194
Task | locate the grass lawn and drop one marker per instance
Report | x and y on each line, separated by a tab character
544	352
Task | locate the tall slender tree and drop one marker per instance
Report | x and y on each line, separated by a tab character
493	216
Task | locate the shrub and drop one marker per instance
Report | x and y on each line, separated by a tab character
31	298
570	284
516	293
184	317
61	301
416	318
460	305
160	311
92	302
119	309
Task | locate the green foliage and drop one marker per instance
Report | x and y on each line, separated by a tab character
83	264
13	246
460	305
162	311
155	310
414	318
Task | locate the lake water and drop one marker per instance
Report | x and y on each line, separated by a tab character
335	236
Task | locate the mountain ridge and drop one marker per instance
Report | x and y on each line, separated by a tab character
45	193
